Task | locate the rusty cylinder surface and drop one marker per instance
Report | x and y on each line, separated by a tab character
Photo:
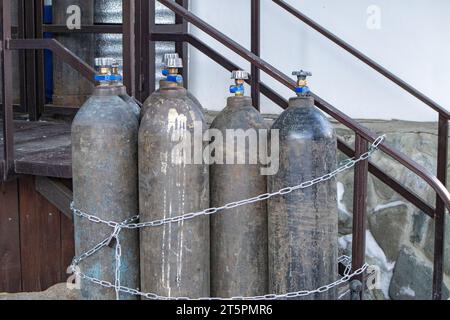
71	89
175	257
239	237
303	225
104	156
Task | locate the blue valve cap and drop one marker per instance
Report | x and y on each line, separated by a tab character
302	90
112	77
237	89
177	78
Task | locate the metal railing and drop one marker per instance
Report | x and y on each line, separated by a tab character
139	50
444	117
363	137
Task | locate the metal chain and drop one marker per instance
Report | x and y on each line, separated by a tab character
291	295
129	224
348	164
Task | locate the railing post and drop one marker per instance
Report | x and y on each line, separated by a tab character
30	62
128	11
439	220
182	47
151	52
143	48
7	90
22	60
40	84
256	49
359	210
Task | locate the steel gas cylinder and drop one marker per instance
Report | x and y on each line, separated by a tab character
175	257
239	237
104	156
303	225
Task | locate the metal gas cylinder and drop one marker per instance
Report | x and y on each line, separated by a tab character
173	181
169	80
239	237
303	225
70	88
104	160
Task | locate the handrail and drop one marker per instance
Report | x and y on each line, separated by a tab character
363	135
364	58
283	103
422	172
57	48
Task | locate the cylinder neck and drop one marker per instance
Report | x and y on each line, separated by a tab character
301	102
164	84
239	101
110	90
173	90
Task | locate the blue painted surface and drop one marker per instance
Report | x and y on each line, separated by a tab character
237	89
112	77
302	90
48	57
176	78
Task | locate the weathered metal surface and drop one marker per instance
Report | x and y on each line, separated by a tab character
239	238
175	258
303	226
104	152
155	96
71	89
134	107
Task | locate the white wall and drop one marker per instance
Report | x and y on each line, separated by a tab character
413	42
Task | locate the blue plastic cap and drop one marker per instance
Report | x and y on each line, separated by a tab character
302	90
178	78
112	77
165	72
237	89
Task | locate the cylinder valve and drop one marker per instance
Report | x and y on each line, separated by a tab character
172	64
302	88
239	77
105	74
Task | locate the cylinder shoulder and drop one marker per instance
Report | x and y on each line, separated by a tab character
162	109
307	122
245	117
99	110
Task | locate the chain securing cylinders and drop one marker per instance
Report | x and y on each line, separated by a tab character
131	224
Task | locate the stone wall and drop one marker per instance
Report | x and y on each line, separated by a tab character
400	238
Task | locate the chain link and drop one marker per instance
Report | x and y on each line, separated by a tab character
130	224
291	295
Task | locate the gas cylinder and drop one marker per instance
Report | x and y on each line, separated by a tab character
104	159
70	88
165	83
239	237
175	257
303	225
